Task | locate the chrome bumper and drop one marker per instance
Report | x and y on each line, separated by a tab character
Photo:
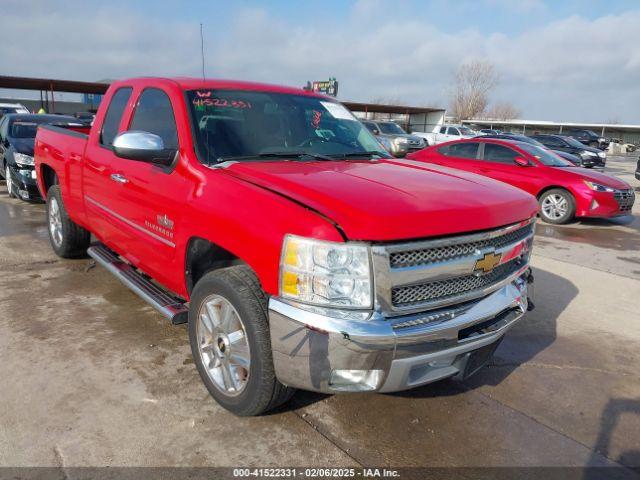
311	350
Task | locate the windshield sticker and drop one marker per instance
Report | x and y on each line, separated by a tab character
337	110
204	102
315	119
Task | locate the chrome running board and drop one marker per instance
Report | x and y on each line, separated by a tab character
168	305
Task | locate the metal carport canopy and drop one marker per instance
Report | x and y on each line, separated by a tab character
43	84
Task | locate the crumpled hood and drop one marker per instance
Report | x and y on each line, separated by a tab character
593	176
23	145
386	200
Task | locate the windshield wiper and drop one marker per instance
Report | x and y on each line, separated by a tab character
369	153
283	155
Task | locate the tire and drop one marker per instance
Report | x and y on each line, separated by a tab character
249	387
7	177
68	239
557	206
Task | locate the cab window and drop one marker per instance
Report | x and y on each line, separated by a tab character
154	114
499	154
454	131
114	115
461	150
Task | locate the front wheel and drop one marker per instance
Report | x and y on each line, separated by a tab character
68	239
7	177
557	206
230	342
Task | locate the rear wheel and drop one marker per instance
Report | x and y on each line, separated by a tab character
230	342
68	239
557	206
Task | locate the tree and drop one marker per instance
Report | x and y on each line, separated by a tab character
473	82
502	111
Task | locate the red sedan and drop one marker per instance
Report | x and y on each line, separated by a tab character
563	190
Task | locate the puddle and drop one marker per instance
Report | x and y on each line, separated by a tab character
607	237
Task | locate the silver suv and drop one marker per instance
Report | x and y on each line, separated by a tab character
394	138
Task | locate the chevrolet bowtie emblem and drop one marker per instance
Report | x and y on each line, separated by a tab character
487	263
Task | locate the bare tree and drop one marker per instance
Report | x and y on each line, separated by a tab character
502	111
473	82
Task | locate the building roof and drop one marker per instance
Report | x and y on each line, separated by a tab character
382	108
544	123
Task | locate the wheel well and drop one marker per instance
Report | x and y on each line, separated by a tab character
204	256
49	177
552	187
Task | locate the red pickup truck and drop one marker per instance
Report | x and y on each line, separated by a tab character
299	252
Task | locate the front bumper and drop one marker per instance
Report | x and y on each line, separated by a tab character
312	351
606	204
24	183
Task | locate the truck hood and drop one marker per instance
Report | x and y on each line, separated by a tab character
387	200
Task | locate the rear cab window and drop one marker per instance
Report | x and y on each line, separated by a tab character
113	116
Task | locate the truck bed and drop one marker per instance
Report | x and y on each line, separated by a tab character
62	148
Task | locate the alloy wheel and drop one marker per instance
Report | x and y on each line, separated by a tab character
7	176
555	206
55	221
223	345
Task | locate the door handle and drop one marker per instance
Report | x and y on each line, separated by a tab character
116	177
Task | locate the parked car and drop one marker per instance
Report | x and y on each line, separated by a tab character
638	170
17	137
447	133
394	138
299	252
589	137
523	138
85	117
6	108
563	190
591	157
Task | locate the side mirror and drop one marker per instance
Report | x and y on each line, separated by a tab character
143	147
375	131
522	162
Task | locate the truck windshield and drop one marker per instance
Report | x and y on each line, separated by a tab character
391	128
241	124
23	130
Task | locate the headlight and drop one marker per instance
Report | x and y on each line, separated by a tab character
597	187
22	159
602	154
400	141
325	273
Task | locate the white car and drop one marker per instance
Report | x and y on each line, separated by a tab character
12	108
447	133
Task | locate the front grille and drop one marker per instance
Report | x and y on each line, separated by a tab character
411	258
443	289
625	199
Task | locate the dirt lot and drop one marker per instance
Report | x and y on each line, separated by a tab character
90	375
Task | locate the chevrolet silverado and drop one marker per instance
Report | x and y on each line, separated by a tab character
298	251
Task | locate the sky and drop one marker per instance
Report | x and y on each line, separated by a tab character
569	60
